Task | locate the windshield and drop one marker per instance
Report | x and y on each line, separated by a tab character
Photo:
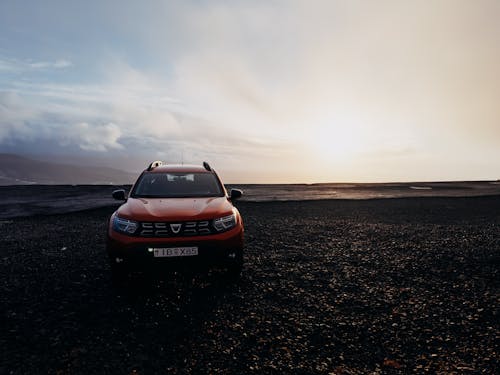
177	185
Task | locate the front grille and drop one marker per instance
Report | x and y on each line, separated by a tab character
183	229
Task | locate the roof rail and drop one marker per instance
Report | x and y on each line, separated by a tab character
207	166
155	164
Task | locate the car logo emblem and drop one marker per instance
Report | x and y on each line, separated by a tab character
176	228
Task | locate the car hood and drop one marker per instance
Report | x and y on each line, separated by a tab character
175	209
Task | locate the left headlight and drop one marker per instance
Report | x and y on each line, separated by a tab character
225	223
124	225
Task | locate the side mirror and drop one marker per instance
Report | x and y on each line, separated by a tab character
119	195
235	194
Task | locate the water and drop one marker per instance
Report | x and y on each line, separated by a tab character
26	200
295	192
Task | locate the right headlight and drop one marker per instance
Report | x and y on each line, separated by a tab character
225	223
125	226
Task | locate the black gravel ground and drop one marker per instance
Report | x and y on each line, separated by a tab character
342	287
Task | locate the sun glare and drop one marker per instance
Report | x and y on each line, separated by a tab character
334	143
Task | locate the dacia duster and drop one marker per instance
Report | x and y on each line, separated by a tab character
175	216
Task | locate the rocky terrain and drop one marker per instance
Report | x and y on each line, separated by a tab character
342	287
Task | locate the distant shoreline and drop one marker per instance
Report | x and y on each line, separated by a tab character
299	184
45	200
30	200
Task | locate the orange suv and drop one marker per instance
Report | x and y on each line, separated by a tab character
175	216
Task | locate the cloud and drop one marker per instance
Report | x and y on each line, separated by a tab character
130	111
20	66
20	121
92	138
267	83
361	78
58	64
14	117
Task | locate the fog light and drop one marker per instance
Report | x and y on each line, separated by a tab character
232	255
118	260
150	249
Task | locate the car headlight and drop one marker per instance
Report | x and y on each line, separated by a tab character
124	225
225	223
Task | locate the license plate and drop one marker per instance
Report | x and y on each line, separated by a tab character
175	252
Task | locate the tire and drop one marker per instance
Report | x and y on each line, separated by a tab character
235	266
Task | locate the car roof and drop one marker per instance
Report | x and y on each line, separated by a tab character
181	168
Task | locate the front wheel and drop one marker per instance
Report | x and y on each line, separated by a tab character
235	265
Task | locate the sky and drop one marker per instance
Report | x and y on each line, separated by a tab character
266	91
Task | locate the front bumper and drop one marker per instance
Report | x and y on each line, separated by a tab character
134	253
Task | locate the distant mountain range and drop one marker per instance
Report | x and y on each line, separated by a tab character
20	170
